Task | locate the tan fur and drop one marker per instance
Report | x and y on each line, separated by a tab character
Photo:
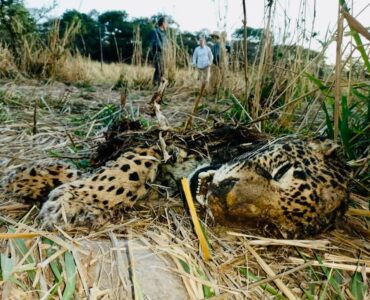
304	198
34	182
93	200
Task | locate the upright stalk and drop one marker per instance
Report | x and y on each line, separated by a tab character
337	73
245	54
101	50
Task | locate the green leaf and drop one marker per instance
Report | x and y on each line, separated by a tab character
249	275
22	249
6	266
357	286
329	124
185	266
331	279
70	272
54	266
317	81
208	291
357	38
344	127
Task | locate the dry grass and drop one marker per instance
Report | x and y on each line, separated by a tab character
70	120
37	264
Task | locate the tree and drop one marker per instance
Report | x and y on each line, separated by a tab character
146	26
16	24
87	40
255	38
188	40
116	35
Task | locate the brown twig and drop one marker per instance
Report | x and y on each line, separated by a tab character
34	128
71	139
123	96
196	104
158	94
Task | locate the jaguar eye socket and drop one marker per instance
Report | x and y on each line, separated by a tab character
263	172
224	187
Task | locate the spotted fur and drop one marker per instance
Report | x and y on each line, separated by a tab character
32	183
301	187
92	201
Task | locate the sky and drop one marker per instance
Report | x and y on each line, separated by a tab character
196	15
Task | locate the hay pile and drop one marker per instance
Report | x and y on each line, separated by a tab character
155	242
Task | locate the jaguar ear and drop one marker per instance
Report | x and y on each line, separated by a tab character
326	146
329	147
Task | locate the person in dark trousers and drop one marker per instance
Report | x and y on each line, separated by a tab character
159	43
216	69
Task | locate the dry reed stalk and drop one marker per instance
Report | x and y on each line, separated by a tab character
358	212
283	274
279	283
264	58
189	121
22	235
338	59
51	258
34	127
346	259
311	244
170	56
332	265
245	55
123	97
120	262
11	207
138	48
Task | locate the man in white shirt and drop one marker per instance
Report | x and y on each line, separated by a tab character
202	60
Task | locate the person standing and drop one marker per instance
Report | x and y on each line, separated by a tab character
202	60
216	48
159	43
217	62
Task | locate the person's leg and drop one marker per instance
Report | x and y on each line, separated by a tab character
215	80
157	71
201	75
161	67
204	78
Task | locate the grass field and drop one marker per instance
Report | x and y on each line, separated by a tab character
57	105
70	121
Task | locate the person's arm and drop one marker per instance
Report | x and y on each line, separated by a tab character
210	56
156	44
195	57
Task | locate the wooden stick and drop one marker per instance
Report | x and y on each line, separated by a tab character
197	101
194	217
